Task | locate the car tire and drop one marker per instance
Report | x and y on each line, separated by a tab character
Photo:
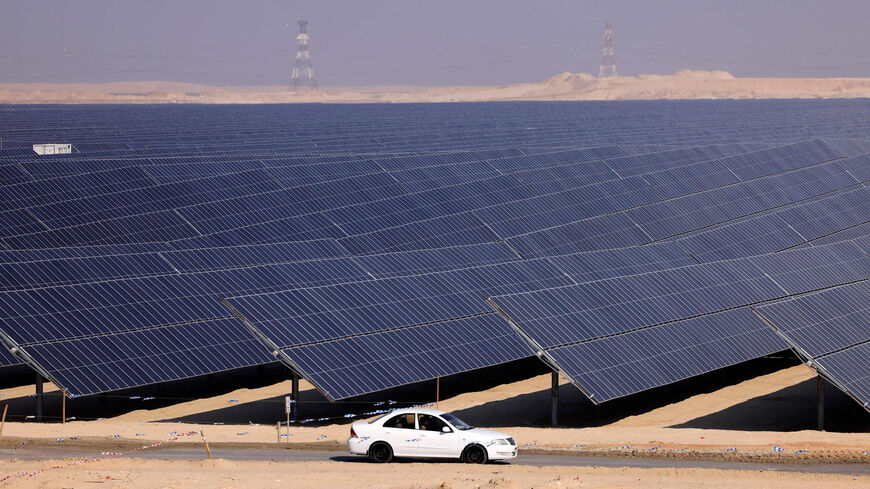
475	454
380	453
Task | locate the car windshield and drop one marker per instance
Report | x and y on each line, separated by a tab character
456	422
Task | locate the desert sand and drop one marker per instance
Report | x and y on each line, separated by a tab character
508	407
129	473
749	419
684	84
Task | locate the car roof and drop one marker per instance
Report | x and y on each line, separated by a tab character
419	410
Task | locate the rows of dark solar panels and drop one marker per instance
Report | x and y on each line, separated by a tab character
630	245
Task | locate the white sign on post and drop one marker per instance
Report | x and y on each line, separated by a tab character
287	404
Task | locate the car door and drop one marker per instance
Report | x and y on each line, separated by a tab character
432	441
400	432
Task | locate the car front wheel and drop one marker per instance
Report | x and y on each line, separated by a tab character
380	453
475	454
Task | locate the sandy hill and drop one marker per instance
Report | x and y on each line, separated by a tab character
682	85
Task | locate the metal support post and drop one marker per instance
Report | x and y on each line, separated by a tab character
40	397
554	399
820	407
294	409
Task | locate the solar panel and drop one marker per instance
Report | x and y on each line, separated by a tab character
131	202
422	179
34	318
828	330
159	226
784	228
47	191
542	212
316	329
27	275
87	315
597	233
379	361
847	234
597	333
586	267
202	259
12	174
435	260
377	215
36	254
297	228
295	317
439	232
222	215
668	219
112	362
615	366
696	211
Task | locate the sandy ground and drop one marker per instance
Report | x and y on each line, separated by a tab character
323	475
684	84
705	422
739	420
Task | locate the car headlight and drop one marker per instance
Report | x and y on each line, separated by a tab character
500	441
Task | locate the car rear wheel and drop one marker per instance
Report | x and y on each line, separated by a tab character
380	452
475	454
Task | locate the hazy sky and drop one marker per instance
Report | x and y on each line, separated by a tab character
434	42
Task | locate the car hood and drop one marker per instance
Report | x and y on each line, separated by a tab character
483	433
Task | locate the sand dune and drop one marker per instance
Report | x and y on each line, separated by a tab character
684	84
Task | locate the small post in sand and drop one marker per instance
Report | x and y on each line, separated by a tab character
278	430
204	441
3	421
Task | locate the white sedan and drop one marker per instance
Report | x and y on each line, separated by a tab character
427	433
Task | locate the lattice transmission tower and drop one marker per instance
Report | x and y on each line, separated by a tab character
607	59
302	75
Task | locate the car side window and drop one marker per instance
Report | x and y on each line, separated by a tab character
403	421
431	423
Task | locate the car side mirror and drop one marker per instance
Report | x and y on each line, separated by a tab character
446	429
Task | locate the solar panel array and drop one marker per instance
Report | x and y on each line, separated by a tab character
303	324
368	247
829	331
620	336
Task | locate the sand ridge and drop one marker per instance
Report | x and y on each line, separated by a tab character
681	85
